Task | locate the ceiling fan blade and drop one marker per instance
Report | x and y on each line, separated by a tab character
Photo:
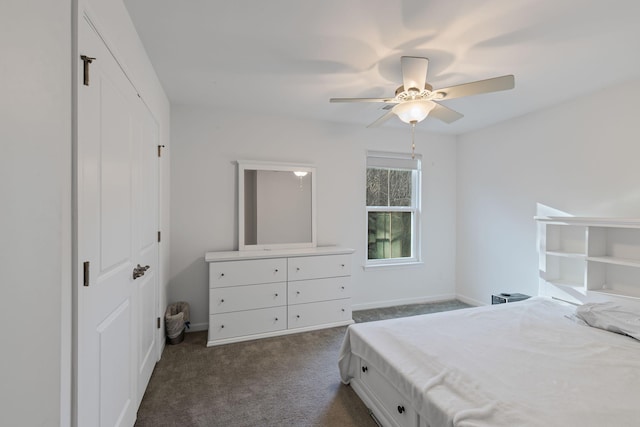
445	114
414	72
391	100
481	86
382	119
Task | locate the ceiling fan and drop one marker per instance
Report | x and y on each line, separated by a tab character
416	99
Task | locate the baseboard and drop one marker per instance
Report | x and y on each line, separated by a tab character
404	301
470	301
196	327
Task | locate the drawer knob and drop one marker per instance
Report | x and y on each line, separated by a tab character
297	268
221	326
221	300
297	292
400	409
276	270
343	309
342	287
276	294
276	319
221	274
342	265
365	369
297	316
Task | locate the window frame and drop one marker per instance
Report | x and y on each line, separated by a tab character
397	161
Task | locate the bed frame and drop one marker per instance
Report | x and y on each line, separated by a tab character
387	406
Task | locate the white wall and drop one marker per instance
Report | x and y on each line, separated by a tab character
204	203
580	157
35	209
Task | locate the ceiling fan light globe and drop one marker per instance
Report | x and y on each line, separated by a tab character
413	111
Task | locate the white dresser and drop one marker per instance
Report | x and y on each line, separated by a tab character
259	294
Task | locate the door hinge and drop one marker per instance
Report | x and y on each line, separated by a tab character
160	147
158	323
87	60
85	268
159	236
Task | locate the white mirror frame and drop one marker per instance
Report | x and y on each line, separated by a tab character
269	166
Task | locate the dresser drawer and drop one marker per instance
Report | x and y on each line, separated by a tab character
238	298
249	272
316	267
306	291
239	323
318	313
396	406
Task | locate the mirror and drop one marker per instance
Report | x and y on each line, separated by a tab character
276	206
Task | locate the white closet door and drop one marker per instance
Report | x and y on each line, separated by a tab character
106	309
146	246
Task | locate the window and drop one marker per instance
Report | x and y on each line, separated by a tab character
393	208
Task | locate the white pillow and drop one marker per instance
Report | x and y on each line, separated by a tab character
612	316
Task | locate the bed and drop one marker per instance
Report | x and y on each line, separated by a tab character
528	363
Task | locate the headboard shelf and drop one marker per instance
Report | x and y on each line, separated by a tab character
610	292
588	221
589	259
567	254
615	260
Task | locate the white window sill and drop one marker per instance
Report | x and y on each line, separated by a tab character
392	265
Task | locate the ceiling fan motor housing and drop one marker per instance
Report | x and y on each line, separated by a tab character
413	91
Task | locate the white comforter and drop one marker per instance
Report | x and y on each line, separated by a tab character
517	364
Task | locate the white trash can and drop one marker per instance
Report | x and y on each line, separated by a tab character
176	320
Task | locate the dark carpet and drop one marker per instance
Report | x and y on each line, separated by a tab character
291	380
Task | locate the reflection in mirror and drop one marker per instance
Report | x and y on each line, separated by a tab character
276	206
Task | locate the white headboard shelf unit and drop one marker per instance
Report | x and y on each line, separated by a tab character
589	259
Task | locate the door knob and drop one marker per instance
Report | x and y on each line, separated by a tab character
139	271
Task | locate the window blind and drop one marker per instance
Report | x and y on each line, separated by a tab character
379	159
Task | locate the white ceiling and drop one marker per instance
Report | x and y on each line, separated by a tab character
288	57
